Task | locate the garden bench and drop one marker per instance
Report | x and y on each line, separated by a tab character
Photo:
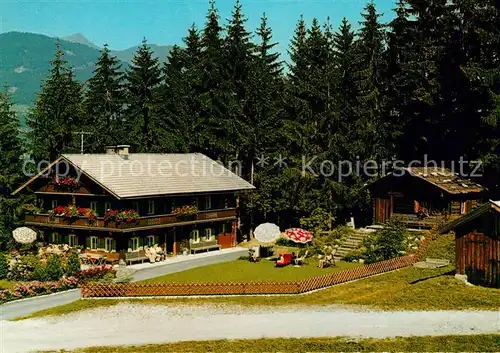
135	256
193	248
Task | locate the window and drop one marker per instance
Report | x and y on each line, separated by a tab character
108	244
151	240
151	207
93	243
223	228
54	204
107	206
56	238
195	236
134	243
208	234
135	206
93	207
72	240
208	202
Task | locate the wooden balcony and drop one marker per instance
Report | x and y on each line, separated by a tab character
143	223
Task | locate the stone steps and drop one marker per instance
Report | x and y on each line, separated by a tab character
353	242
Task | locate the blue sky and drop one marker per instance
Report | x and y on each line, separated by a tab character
123	23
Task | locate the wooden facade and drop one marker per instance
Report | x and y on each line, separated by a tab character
421	199
478	245
157	222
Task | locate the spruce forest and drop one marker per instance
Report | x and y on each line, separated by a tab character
425	84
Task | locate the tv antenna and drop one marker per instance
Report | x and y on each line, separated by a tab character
82	133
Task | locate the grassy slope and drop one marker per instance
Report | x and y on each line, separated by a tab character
407	289
244	271
335	344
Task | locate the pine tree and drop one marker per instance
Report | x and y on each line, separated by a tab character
142	79
398	92
238	63
58	112
370	68
346	92
104	101
214	92
10	169
172	103
10	146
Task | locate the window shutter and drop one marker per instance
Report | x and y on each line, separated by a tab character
113	244
129	243
214	233
76	240
87	242
157	239
101	243
65	238
141	242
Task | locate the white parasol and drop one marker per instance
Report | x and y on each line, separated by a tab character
24	235
267	232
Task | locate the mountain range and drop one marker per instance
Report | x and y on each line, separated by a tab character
25	61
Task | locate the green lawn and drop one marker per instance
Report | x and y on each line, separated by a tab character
244	271
5	284
410	288
470	343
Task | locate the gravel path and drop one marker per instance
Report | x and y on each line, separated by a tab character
127	324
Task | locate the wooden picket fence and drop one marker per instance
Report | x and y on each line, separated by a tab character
101	290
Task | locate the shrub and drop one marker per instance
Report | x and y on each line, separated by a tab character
387	243
355	255
96	273
73	264
4	267
319	220
285	242
24	268
53	268
40	273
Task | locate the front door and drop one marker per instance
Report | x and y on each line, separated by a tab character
382	210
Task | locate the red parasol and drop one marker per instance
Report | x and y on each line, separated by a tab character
298	235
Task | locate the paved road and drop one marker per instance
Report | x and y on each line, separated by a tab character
134	324
28	306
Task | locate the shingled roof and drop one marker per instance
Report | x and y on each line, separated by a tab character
442	178
154	174
446	180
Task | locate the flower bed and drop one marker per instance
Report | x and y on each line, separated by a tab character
185	212
36	288
103	273
71	213
65	183
122	216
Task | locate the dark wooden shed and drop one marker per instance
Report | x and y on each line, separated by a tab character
477	244
423	194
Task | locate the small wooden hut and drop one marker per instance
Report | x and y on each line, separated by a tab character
418	196
477	242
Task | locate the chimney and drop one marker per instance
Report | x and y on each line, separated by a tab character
121	150
110	149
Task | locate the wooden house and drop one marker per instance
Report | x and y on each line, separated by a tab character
477	244
418	196
120	202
